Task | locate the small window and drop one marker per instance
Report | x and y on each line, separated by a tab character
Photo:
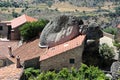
1	28
72	61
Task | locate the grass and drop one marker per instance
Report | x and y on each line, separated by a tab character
9	10
66	7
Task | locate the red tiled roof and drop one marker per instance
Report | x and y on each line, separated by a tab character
21	20
4	47
10	72
118	26
2	56
29	50
63	47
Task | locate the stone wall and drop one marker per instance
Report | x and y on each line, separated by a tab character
5	62
2	62
63	60
8	62
117	36
108	35
15	34
4	32
32	63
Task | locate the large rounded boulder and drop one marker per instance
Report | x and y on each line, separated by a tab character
94	31
61	29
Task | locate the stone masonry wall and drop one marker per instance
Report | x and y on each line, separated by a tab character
62	60
32	63
3	32
15	34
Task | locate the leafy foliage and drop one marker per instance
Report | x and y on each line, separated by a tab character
111	30
9	4
32	29
15	14
106	52
117	44
106	56
84	73
47	76
30	72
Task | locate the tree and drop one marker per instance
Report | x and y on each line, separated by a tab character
15	14
49	3
117	10
32	29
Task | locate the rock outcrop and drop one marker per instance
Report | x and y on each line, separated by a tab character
60	30
91	49
115	69
117	36
94	32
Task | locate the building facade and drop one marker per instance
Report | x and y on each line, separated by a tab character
68	59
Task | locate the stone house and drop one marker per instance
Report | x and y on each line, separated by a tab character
68	54
65	55
10	29
4	52
5	31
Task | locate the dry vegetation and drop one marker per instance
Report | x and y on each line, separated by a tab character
43	9
65	6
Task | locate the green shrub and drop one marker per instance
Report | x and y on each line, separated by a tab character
32	29
116	44
117	10
63	74
84	73
106	52
110	30
31	73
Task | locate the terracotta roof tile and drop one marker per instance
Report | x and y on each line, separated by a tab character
63	47
2	56
21	20
4	47
29	50
10	72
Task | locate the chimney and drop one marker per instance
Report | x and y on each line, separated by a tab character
10	51
18	65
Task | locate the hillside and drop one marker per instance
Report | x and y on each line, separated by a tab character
44	8
66	6
81	3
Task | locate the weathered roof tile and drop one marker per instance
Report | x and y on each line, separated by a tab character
10	72
21	20
63	47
